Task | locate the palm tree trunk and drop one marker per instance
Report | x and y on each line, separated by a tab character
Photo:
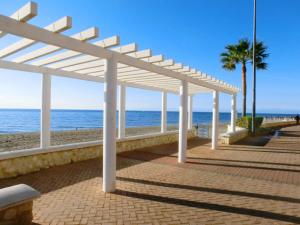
244	85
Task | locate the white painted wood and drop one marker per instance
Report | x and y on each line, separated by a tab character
175	67
58	148
168	62
85	35
163	112
23	14
36	69
215	121
32	32
134	71
122	111
154	59
89	58
182	142
183	69
105	43
45	111
233	113
141	54
48	37
190	111
109	126
97	65
56	27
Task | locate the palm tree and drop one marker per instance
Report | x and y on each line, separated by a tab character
241	53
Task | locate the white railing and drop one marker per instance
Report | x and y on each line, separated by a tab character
272	119
35	151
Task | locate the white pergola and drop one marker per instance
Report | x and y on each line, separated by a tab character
107	62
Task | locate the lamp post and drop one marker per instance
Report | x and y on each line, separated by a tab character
254	70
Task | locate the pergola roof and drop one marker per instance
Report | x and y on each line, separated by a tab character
74	56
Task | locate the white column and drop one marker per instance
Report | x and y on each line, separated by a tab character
164	112
122	111
45	111
190	117
215	121
109	122
182	142
233	112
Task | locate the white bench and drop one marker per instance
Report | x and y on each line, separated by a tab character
16	204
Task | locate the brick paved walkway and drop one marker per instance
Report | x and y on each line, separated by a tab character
234	185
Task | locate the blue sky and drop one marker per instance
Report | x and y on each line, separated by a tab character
193	32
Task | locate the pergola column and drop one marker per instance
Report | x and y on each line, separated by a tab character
164	112
183	122
45	111
122	111
215	121
233	112
109	129
190	112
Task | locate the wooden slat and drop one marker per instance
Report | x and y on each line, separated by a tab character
85	35
41	35
24	14
56	27
98	64
88	58
106	43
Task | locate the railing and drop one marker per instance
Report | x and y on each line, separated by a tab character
205	130
271	119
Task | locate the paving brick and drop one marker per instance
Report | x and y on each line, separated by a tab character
233	185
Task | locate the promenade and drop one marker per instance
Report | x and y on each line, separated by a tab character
237	184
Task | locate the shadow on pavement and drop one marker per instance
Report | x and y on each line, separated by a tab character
211	206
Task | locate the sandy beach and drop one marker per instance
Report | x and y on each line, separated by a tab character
10	142
18	141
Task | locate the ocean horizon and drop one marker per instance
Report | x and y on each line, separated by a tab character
28	120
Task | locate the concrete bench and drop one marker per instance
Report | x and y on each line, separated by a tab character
16	204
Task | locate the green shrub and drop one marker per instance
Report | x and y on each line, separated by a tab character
246	122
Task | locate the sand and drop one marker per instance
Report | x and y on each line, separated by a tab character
10	142
18	141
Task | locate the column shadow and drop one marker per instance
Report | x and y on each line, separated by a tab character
211	206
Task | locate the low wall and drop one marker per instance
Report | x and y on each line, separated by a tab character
232	137
278	124
19	214
20	162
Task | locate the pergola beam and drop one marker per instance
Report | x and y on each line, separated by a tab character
89	58
24	14
45	70
38	34
105	43
136	71
97	65
56	27
85	35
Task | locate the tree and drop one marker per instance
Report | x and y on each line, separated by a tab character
241	53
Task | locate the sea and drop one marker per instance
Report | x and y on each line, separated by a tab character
28	120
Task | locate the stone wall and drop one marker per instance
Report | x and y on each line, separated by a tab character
17	215
14	166
232	137
278	124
